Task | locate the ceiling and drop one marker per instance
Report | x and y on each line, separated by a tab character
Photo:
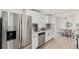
58	11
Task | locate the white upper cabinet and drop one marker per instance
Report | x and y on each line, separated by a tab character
43	19
36	17
39	18
47	19
33	14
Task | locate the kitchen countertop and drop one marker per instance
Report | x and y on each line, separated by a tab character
38	32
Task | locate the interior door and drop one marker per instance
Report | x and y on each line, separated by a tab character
0	33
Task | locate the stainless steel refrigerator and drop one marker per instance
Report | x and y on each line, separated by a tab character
26	31
17	30
10	30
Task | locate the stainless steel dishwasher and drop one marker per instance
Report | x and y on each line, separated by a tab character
41	39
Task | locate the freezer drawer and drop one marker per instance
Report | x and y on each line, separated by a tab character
41	39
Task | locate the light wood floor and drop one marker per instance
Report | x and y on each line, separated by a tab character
60	43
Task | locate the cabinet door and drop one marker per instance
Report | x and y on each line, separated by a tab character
47	36
34	40
35	17
45	19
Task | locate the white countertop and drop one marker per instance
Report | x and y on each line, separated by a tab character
38	31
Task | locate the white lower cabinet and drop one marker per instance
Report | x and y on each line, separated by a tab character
34	41
48	35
